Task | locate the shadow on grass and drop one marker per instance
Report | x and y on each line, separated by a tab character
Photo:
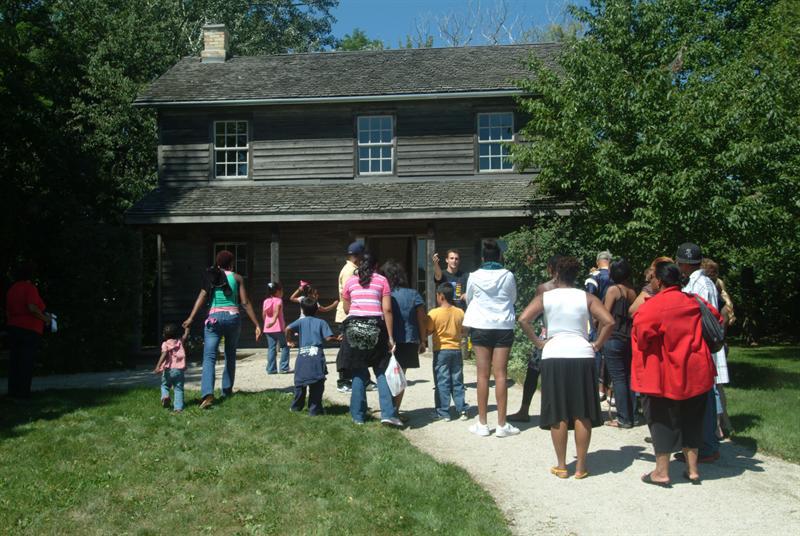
48	405
746	375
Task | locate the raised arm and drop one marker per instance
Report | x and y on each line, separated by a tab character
330	307
534	309
248	307
295	297
186	330
198	303
437	270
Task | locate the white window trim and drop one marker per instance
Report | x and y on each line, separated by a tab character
390	145
235	258
478	136
237	148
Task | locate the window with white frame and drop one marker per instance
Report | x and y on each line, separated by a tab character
239	250
375	144
230	149
494	131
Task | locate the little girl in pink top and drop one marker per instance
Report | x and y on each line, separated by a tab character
274	326
172	365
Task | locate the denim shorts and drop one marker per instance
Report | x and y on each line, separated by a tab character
492	338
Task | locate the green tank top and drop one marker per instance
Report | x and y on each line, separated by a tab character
219	299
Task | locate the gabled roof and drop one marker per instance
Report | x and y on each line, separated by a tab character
495	196
327	76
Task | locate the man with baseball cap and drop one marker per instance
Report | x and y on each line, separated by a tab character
354	252
597	283
688	258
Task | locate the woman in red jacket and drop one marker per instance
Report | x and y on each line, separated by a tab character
673	367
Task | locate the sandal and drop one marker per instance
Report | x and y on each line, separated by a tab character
647	478
581	476
560	473
616	424
695	481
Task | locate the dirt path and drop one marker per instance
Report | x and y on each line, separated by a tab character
743	493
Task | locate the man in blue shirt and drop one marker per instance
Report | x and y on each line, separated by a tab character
597	283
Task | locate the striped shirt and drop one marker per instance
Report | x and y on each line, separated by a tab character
366	301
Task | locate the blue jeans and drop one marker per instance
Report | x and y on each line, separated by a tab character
219	325
274	340
173	378
448	371
358	397
618	363
710	439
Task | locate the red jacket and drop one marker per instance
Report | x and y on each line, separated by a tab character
670	357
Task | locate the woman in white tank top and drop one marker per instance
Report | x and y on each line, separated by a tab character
569	379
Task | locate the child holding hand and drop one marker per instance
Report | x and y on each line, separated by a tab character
445	324
172	365
309	367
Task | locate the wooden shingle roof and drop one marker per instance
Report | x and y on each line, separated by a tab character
401	72
495	196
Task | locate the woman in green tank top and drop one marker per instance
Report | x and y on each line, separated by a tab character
224	292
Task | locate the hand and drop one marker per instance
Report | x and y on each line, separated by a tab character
539	343
422	348
595	348
339	337
291	344
435	258
392	345
258	332
155	370
187	323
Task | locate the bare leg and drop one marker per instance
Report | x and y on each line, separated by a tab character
583	435
559	436
483	360
661	472
500	370
691	463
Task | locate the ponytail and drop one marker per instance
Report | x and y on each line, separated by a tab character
366	268
215	278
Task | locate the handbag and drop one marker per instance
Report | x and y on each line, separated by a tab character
713	332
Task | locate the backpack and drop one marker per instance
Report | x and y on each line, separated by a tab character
713	332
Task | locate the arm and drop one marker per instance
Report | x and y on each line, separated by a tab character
437	270
346	305
160	361
388	317
605	322
330	307
185	334
35	311
612	294
295	297
289	332
198	303
277	310
532	312
248	307
422	321
637	303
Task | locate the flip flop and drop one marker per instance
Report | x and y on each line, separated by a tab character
694	481
581	476
648	479
560	473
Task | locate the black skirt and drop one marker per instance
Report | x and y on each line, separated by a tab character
407	354
569	392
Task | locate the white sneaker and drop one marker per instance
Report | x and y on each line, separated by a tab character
480	429
506	430
394	421
463	416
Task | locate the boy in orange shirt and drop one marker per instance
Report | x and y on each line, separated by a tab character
444	323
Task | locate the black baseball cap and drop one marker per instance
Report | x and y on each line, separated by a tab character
689	253
356	248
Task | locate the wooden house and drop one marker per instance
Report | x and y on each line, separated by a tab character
286	159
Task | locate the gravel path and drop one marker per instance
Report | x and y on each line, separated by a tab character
743	493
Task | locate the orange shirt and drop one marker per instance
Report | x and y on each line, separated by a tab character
445	325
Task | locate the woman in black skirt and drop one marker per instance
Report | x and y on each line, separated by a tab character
569	394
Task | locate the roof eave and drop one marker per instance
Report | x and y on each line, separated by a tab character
332	100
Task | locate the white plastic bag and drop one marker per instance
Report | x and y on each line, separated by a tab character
395	377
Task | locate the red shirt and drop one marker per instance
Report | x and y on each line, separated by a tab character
670	357
20	295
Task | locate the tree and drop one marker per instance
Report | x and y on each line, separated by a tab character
358	40
676	120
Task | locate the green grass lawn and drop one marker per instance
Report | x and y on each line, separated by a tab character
764	398
103	462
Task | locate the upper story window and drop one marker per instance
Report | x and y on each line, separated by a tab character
230	149
375	144
239	250
495	130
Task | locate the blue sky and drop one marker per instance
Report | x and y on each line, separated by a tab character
391	20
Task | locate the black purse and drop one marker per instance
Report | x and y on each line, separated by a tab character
713	333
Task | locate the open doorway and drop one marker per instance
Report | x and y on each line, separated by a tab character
399	248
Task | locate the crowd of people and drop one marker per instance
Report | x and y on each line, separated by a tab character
643	351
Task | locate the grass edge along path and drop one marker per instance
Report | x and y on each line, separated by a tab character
111	461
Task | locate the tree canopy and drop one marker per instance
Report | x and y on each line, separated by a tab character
679	120
358	40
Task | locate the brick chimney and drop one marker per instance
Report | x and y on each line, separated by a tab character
216	44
